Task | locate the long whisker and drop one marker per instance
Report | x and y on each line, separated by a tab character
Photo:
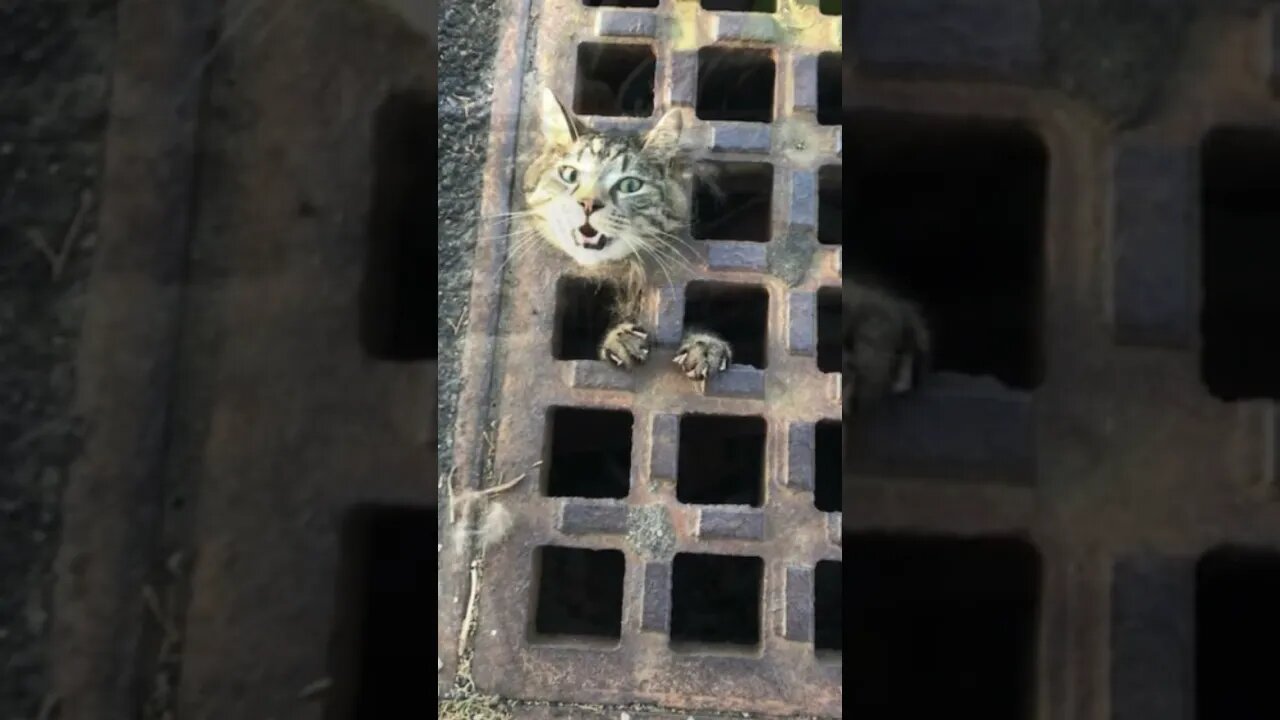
518	248
513	239
516	213
648	250
683	243
668	252
678	258
674	238
663	255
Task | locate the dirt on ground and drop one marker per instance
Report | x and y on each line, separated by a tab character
54	83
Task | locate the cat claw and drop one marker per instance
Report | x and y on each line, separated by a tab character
625	345
701	356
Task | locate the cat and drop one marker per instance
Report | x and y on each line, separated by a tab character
608	201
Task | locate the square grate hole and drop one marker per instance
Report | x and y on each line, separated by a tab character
721	460
735	84
828	607
733	201
380	634
614	79
738	313
942	627
762	6
828	490
621	3
831	7
393	296
1241	198
590	453
951	210
830	82
579	593
1237	624
831	205
830	334
582	318
715	599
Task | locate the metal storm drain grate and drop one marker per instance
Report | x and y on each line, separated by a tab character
671	547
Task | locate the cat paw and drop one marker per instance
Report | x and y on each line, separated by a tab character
625	345
702	355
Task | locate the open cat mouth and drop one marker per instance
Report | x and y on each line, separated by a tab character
590	238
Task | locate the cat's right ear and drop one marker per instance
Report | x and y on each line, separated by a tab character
557	126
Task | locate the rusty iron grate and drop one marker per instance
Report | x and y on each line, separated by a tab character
674	547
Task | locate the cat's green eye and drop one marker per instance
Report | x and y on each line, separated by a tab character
630	185
569	174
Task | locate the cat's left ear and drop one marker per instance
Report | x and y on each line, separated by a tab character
664	139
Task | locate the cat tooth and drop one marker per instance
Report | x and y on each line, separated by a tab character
614	357
638	333
679	358
724	364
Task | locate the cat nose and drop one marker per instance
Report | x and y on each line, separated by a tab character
590	206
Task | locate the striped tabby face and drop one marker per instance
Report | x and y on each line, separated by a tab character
603	198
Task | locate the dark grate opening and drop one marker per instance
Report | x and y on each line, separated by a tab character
762	6
733	201
590	453
1237	634
715	599
830	80
381	635
579	592
583	316
738	313
831	205
721	460
941	627
828	607
621	3
395	292
735	84
830	335
1241	200
950	210
831	7
614	79
828	490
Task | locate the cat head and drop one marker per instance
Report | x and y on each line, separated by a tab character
602	198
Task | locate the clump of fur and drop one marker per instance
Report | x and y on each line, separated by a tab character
887	345
494	525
